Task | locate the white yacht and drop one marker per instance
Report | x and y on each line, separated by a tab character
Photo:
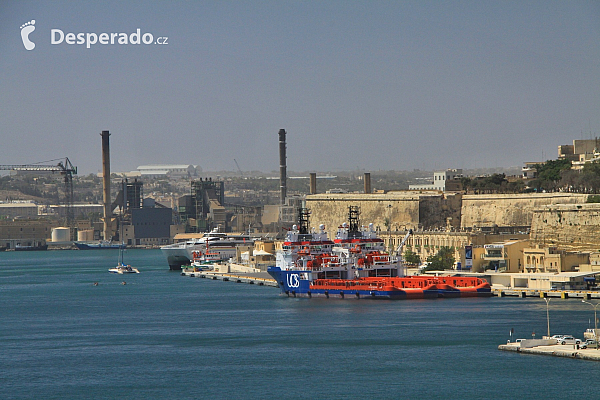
219	246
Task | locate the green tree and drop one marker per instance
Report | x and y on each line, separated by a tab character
589	179
443	259
549	174
412	258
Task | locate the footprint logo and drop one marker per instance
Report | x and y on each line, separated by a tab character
26	29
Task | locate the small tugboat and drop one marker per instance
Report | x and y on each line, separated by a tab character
358	266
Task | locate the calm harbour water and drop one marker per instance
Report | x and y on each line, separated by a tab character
166	336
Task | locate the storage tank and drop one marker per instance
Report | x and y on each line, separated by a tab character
85	235
61	234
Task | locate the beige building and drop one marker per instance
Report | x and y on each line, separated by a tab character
580	152
22	232
552	260
14	210
541	281
505	256
428	243
261	256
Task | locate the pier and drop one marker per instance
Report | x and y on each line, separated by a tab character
261	279
561	293
556	350
264	279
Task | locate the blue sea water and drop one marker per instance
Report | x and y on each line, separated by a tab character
164	336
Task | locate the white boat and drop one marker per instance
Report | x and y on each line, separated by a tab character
123	268
222	247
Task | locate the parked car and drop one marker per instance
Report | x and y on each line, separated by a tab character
569	340
558	337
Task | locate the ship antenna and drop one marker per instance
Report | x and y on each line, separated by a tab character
303	218
353	221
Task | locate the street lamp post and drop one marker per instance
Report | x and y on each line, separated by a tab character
595	320
389	226
547	315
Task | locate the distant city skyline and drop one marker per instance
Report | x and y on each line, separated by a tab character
357	85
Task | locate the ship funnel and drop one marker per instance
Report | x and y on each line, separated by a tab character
282	166
106	184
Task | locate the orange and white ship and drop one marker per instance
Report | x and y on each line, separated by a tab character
357	265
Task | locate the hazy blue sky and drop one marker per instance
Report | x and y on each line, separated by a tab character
374	85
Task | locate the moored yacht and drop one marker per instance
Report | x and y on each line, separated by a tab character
220	246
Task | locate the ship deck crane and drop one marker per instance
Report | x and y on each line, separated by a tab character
65	168
399	251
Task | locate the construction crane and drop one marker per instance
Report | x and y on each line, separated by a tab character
238	167
65	168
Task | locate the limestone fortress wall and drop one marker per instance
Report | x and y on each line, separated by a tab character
510	209
567	225
403	210
561	219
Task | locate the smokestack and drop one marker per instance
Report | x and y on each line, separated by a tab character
313	183
282	166
367	182
106	183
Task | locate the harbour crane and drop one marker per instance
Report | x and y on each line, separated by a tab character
238	167
65	168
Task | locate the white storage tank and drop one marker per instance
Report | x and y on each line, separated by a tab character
85	235
61	234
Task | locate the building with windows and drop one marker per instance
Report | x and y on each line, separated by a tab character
580	152
169	171
442	180
18	210
505	256
552	260
151	226
25	232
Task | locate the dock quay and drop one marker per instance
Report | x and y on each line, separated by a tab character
560	293
556	350
262	279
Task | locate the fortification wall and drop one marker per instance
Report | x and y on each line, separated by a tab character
405	210
567	225
510	209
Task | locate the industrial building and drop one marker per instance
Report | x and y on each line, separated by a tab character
169	171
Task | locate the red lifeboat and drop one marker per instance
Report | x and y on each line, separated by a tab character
305	251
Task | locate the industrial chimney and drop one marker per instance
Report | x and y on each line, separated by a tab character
106	184
367	182
313	183
282	166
